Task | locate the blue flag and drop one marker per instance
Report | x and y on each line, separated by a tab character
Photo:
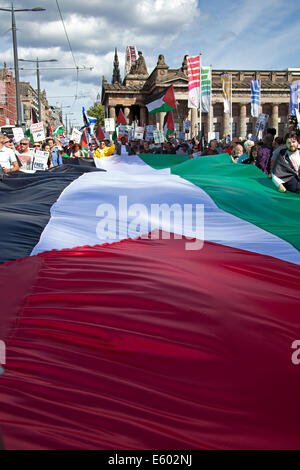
255	97
294	102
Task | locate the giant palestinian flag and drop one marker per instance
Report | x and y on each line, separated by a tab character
123	330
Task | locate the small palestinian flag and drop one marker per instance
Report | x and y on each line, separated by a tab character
169	125
84	144
161	102
99	133
121	120
58	130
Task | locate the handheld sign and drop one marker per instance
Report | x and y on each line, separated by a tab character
40	161
38	132
109	124
76	135
18	133
261	122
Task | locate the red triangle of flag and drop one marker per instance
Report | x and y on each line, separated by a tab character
170	121
84	142
169	97
99	134
121	118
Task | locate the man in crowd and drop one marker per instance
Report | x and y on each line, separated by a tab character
212	148
8	161
25	155
56	156
285	171
264	154
123	148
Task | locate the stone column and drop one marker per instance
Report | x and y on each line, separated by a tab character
275	117
226	121
161	121
112	112
194	128
243	125
143	115
126	113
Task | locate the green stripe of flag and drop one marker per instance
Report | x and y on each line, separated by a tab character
242	190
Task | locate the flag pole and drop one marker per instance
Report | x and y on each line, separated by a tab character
231	107
210	103
200	110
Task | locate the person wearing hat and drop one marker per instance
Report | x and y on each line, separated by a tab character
103	150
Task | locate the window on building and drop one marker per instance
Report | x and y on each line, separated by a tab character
234	129
216	127
249	128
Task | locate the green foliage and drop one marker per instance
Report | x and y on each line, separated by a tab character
97	112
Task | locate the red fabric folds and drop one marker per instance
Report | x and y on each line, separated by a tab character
144	345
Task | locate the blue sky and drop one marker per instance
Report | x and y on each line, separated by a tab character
241	34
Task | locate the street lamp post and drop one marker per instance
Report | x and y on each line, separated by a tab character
16	64
38	79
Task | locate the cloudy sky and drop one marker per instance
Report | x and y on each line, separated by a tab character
244	34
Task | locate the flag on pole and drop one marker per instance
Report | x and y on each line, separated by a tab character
161	102
169	125
255	97
99	133
120	120
58	131
294	98
89	121
84	143
226	90
194	87
205	89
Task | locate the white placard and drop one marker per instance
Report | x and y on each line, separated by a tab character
18	133
159	137
76	135
109	124
139	135
40	161
38	132
213	136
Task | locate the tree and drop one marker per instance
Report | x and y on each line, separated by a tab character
97	112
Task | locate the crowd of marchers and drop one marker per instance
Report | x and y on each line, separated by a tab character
276	156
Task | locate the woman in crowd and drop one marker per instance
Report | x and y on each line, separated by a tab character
76	151
46	149
237	152
245	157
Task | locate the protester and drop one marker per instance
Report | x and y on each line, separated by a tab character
103	150
8	161
25	155
237	152
123	148
264	154
183	149
230	149
144	148
285	171
92	149
212	148
56	155
244	158
76	151
46	149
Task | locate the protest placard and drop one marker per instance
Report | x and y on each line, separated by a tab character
40	160
37	131
261	122
76	135
139	133
159	137
109	124
181	135
187	124
18	133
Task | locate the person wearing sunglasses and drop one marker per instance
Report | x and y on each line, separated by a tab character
8	161
25	155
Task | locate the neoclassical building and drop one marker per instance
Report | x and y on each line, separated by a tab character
130	93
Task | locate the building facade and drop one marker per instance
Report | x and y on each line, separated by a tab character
8	110
138	84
